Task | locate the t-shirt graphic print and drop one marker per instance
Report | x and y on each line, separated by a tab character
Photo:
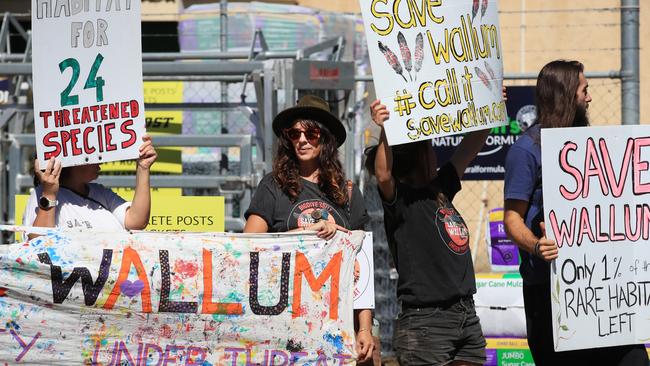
452	230
308	212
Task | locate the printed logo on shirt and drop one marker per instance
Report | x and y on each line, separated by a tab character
75	224
308	212
452	229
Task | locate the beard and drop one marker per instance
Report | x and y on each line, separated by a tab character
581	118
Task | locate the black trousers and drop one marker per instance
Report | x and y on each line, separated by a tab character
537	303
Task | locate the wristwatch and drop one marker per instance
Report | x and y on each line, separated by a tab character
46	203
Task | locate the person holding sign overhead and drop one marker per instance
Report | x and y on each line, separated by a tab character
66	198
562	100
429	242
307	189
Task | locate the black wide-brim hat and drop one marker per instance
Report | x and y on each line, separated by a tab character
313	108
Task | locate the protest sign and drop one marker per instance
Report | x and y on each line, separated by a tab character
87	69
437	66
188	299
596	186
174	212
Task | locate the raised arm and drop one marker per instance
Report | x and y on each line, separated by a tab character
468	149
137	216
384	157
49	181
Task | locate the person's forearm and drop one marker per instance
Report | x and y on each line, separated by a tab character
383	160
518	232
137	216
364	317
44	218
475	140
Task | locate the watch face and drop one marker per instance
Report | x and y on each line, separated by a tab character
44	202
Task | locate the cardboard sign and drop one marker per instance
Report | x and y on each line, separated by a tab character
188	299
87	69
596	192
437	66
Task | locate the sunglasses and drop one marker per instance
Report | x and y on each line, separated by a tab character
312	134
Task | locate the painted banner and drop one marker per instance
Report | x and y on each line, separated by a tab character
87	69
437	66
186	299
596	186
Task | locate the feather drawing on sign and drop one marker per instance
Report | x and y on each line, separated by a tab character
484	6
406	53
418	54
483	77
392	59
490	72
475	6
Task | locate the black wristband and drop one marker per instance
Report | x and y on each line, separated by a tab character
536	249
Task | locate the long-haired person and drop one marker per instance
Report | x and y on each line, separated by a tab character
562	100
66	198
429	242
307	189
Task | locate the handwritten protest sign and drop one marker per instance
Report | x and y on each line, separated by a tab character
87	69
437	66
186	299
596	186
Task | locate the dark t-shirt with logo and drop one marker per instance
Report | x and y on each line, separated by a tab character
280	214
429	242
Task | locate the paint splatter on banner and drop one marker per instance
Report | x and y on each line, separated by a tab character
177	299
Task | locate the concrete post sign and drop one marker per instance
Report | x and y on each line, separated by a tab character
87	70
596	207
437	66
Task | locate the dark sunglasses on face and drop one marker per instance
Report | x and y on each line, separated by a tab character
312	134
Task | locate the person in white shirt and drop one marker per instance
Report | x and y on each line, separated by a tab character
65	198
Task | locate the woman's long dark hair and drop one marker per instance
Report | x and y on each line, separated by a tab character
331	179
555	94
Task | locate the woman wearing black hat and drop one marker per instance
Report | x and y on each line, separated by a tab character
307	189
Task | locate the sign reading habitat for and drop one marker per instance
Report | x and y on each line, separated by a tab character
437	66
184	299
596	194
87	69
